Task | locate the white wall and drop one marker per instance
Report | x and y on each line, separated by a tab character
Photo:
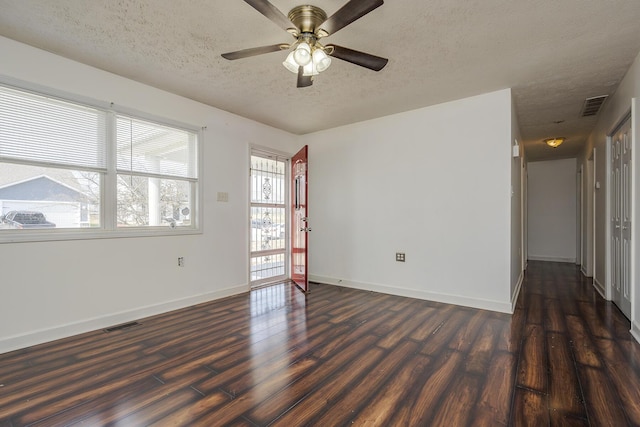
54	289
552	210
433	183
614	110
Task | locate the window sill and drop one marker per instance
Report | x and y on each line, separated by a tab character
90	234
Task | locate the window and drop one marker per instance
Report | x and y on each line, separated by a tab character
156	167
86	170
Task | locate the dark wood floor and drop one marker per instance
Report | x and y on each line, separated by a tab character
342	357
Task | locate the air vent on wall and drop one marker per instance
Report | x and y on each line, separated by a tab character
592	105
121	327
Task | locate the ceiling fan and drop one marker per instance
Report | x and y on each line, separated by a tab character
308	24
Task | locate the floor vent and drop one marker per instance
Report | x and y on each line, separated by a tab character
121	327
592	105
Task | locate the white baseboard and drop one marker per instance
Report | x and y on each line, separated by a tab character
635	330
551	259
502	307
63	331
516	293
601	290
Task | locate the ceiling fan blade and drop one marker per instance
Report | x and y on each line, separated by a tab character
272	13
372	62
303	81
245	53
348	13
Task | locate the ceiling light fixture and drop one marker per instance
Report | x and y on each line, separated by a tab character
310	55
308	24
554	142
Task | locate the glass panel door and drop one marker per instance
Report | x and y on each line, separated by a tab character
268	228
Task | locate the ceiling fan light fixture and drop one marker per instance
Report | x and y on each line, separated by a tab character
302	54
307	57
554	142
321	60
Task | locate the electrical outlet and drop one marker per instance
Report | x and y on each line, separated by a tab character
400	257
180	261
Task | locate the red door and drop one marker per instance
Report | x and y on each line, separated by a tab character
299	216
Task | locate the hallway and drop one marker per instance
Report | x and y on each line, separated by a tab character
577	357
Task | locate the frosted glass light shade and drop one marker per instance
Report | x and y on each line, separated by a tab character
310	70
302	54
321	60
290	64
554	142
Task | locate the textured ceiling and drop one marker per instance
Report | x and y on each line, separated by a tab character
554	54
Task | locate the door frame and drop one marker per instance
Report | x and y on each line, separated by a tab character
255	149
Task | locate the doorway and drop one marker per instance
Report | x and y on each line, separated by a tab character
268	240
620	208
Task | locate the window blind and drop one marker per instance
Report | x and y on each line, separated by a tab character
149	148
42	130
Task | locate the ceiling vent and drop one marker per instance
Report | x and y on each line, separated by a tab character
592	105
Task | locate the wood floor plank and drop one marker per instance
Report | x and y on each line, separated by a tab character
468	331
529	409
241	376
104	405
186	414
603	403
423	330
385	403
348	397
331	393
117	407
583	347
444	332
483	346
159	409
399	333
512	331
339	356
259	353
72	369
454	407
72	394
565	395
554	316
626	381
535	309
532	370
277	403
342	340
424	402
560	419
64	393
494	403
598	326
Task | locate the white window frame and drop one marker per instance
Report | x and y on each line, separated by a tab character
108	196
